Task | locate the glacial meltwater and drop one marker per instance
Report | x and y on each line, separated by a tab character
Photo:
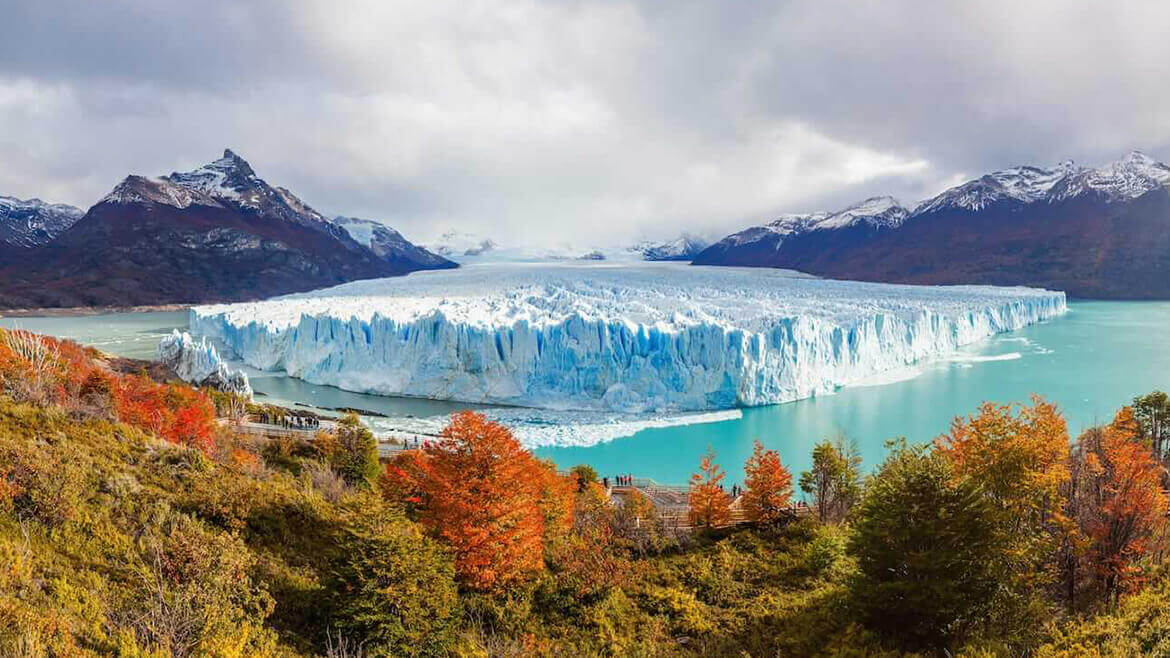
1090	361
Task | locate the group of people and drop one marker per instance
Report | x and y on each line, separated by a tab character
628	481
299	422
619	481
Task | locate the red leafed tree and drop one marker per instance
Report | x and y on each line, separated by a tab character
768	486
174	412
710	506
1132	504
139	402
477	489
192	418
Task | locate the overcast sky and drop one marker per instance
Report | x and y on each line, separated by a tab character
565	121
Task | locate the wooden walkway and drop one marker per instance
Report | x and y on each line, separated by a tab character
388	445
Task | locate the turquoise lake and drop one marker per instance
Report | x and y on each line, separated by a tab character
1090	361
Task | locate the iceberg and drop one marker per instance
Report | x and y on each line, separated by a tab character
200	364
631	338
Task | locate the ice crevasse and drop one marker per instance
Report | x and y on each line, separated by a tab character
633	338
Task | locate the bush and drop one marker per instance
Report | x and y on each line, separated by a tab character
927	551
399	588
351	450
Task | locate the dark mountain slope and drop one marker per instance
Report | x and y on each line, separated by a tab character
1102	233
218	233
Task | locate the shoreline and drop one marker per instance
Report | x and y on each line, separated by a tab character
79	311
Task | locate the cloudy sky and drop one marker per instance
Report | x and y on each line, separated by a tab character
575	121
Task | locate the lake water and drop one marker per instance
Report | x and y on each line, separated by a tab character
1091	361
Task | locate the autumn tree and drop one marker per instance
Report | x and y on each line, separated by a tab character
1131	504
1018	457
637	525
585	561
767	487
585	476
710	506
834	481
479	491
927	549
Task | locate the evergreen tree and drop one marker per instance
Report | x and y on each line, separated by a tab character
927	548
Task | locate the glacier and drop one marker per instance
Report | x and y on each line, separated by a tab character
199	363
631	337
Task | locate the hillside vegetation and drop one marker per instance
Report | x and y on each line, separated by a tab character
132	523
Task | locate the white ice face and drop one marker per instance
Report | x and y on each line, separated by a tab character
199	363
628	337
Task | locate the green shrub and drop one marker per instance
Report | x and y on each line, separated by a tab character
400	597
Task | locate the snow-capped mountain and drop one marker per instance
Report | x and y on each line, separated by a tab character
881	212
1123	180
228	182
218	232
390	244
683	248
1068	227
466	247
31	223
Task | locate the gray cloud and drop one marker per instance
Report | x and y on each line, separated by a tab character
587	120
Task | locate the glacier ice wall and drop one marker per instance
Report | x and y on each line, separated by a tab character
199	363
631	338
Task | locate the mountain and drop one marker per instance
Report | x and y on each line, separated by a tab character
466	247
1093	232
683	248
389	244
217	233
33	222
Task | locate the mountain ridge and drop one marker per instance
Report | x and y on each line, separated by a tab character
1093	232
30	223
215	233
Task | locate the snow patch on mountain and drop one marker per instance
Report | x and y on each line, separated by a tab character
1126	179
389	243
683	248
31	222
632	338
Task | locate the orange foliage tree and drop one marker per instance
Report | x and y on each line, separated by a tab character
1018	457
1131	504
710	506
767	487
478	490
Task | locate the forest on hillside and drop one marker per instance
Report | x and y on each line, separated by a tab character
136	521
